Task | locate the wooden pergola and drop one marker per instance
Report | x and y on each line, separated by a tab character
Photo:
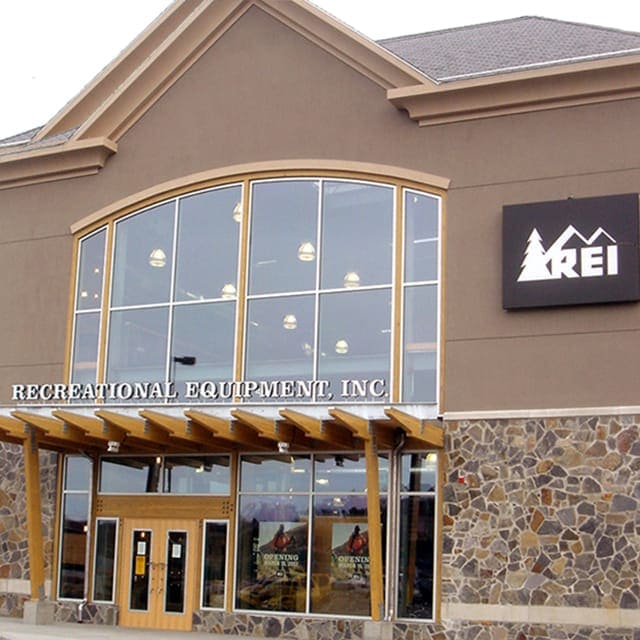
168	429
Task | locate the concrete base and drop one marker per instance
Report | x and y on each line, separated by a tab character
373	630
38	612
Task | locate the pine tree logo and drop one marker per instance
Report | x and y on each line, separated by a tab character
571	255
534	265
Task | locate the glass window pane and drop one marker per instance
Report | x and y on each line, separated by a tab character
421	237
357	234
207	256
197	475
143	257
416	565
138	345
272	553
420	344
280	338
275	474
73	545
283	236
207	332
340	577
105	553
140	570
340	473
175	572
85	347
419	471
130	474
214	565
355	341
78	474
91	272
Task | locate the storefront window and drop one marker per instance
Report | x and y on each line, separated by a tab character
276	530
214	563
186	474
269	280
105	559
417	535
75	514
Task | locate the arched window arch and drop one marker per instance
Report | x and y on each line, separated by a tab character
308	288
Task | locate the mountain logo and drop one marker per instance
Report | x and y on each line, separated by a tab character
571	255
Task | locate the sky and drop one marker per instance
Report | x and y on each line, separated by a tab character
50	49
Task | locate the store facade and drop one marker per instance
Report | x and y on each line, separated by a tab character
295	364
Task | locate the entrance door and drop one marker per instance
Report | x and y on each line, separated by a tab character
159	578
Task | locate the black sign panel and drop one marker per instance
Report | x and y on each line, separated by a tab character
574	251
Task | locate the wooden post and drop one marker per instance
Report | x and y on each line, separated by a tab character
34	515
375	531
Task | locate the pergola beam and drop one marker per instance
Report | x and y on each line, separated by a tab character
234	432
321	430
429	432
275	430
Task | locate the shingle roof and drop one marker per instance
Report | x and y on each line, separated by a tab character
508	45
465	52
23	141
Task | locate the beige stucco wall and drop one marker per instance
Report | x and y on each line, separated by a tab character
264	93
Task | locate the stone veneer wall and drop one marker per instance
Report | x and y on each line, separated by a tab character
543	512
14	558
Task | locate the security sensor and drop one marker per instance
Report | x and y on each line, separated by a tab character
283	447
113	446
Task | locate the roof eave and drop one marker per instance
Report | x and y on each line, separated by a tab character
521	92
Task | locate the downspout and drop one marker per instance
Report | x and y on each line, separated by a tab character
394	502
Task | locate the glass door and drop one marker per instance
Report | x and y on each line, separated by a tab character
159	573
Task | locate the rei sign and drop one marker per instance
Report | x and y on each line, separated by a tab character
574	251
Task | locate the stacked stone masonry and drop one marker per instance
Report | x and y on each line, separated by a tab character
543	512
14	560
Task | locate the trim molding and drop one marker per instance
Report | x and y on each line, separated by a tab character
21	587
532	414
582	616
282	167
70	160
521	92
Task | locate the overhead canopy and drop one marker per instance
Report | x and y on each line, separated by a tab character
179	429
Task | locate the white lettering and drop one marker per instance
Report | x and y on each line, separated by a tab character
322	390
377	388
612	260
141	390
268	389
18	392
591	262
192	390
287	388
562	264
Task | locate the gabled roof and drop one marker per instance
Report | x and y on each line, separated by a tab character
509	45
444	76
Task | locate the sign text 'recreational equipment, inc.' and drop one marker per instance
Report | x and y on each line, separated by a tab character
203	390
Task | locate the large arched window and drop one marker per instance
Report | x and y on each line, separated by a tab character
309	289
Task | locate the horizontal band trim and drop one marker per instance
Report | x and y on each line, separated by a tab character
531	414
582	616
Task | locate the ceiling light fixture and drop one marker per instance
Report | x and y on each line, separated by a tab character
158	258
228	291
306	252
351	280
237	212
342	347
289	322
